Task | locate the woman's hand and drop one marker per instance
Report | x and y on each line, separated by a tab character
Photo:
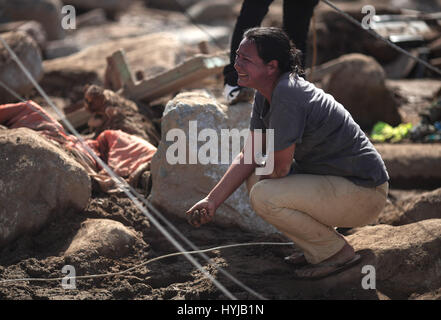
201	213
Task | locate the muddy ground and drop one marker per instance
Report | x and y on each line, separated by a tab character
259	267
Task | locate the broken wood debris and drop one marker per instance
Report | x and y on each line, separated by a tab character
119	77
77	118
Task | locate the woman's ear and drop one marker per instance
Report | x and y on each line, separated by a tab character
273	66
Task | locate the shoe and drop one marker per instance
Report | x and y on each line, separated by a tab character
235	94
296	259
322	270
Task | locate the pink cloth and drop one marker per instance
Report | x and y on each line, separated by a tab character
122	152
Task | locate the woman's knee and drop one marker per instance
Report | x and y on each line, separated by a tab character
258	196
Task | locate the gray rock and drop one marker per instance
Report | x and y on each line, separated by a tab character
29	54
38	181
47	12
176	187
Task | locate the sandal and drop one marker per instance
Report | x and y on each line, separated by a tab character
296	259
322	270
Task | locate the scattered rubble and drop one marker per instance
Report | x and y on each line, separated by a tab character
133	71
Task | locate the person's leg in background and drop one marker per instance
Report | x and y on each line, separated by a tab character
251	15
297	16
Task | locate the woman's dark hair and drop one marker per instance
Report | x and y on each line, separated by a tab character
274	44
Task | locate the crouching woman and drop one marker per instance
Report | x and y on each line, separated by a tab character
327	174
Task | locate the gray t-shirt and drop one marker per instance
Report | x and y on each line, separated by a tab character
328	141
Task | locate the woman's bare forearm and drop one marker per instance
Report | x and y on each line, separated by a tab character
236	174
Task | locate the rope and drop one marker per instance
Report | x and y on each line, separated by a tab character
111	274
376	35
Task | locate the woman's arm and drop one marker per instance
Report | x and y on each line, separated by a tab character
240	169
282	162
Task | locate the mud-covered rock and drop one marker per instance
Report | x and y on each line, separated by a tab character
102	237
419	207
38	181
396	263
365	96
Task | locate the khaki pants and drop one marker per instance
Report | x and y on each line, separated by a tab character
307	208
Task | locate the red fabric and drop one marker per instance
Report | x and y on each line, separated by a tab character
122	152
30	115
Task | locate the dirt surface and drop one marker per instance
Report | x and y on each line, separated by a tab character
259	267
41	256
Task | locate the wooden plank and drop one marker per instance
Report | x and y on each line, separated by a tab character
175	79
118	72
77	118
192	70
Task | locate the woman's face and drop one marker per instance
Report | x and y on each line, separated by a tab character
250	68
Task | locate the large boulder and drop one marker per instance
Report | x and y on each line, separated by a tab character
426	205
396	263
366	95
406	258
102	237
38	180
47	12
176	187
27	50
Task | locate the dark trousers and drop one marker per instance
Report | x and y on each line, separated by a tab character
296	18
